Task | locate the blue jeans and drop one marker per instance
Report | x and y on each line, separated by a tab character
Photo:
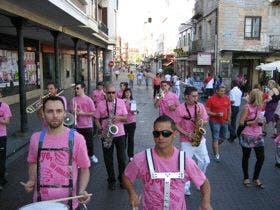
219	130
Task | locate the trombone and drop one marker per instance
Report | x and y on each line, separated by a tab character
36	105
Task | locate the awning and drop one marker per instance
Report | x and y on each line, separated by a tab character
269	66
167	64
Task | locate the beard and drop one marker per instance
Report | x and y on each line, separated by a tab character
55	124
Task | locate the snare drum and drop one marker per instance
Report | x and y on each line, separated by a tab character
45	206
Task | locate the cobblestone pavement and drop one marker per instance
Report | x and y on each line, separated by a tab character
228	192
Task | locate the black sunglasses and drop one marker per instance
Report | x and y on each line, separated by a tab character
164	133
111	92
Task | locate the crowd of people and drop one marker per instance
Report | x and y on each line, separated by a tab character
59	156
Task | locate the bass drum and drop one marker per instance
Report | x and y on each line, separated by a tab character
45	206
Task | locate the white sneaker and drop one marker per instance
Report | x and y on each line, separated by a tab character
94	159
217	158
187	192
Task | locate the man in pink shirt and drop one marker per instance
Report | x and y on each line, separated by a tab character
58	154
83	107
98	94
112	112
5	115
167	103
188	114
163	171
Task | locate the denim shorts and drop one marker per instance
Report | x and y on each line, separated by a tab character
219	130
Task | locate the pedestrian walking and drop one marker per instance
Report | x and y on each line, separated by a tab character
235	95
167	77
251	136
218	108
117	73
56	156
163	170
123	86
83	108
98	94
146	79
5	116
177	87
156	84
110	117
130	76
190	119
189	81
167	101
130	124
139	78
209	85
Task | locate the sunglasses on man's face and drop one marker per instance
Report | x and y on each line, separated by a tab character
164	133
111	92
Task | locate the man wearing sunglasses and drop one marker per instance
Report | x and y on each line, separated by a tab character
163	171
168	102
185	123
103	111
84	108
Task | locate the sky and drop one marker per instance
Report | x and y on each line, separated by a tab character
133	13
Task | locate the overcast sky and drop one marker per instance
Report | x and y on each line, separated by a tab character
133	14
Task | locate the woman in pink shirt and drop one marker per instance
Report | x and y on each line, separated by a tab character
130	124
123	86
251	136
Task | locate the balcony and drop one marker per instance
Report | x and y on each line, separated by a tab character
274	42
102	27
197	46
198	9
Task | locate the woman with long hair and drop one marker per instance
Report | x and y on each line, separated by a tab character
130	125
251	136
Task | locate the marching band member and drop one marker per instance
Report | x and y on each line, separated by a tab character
5	115
123	86
130	124
186	119
168	101
112	113
163	170
57	168
98	94
83	108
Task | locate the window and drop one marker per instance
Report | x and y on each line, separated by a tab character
209	26
252	27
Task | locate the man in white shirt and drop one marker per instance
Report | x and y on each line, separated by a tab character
235	95
167	77
209	85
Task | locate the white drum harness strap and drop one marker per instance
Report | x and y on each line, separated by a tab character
167	176
70	165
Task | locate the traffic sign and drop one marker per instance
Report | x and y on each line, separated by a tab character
111	64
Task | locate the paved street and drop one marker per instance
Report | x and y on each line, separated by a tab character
228	192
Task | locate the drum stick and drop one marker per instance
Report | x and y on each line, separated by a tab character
65	199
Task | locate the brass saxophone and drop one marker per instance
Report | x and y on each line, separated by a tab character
111	129
199	131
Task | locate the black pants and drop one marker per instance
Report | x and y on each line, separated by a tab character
232	126
108	153
245	161
88	135
156	90
129	138
3	146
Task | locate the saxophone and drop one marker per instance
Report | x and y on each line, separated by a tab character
111	129
199	131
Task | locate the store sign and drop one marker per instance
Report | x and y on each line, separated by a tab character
204	59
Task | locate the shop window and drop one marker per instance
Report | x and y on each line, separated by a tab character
252	28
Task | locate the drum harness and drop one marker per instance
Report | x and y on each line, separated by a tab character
167	176
70	165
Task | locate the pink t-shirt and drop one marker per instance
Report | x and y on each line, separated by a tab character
98	96
188	125
64	100
101	112
84	104
168	100
120	93
152	198
54	164
5	112
252	130
131	117
277	140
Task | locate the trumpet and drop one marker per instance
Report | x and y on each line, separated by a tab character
36	105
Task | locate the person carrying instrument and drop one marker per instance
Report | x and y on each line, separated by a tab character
167	102
56	156
5	115
112	113
83	108
187	116
98	94
163	170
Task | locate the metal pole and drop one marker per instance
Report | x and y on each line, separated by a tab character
104	65
88	69
75	40
97	64
55	35
18	23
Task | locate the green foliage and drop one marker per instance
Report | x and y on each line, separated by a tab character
180	52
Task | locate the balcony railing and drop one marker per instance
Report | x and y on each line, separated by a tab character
274	42
198	9
197	46
103	28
